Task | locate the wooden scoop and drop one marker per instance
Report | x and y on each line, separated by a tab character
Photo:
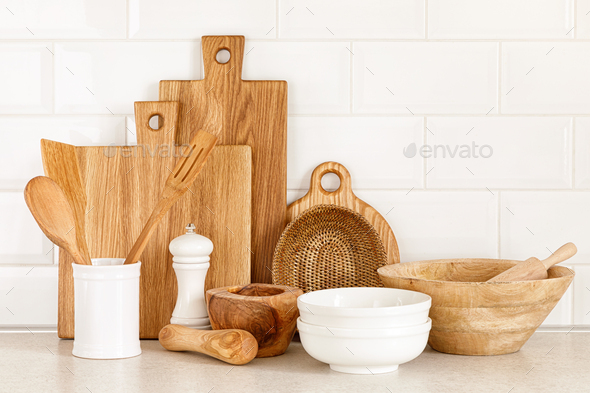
232	346
50	208
534	269
184	174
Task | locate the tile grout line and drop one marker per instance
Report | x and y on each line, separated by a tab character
301	40
277	17
350	56
499	78
425	19
573	151
499	223
424	159
575	20
54	77
127	16
347	114
573	306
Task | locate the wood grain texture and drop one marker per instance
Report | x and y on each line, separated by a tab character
52	212
178	182
61	165
232	346
122	185
474	317
241	112
267	311
344	196
533	268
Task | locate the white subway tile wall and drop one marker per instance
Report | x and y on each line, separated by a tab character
369	146
107	77
26	78
318	73
465	123
583	19
69	19
372	19
537	223
582	150
439	224
499	152
545	78
469	19
425	77
190	19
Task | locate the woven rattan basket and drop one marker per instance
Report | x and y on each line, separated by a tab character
329	246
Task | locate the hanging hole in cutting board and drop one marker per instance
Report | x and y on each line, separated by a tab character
330	182
155	122
223	56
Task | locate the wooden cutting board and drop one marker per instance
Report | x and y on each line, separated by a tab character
121	186
344	196
241	112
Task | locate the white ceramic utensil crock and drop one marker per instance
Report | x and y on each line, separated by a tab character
106	309
364	307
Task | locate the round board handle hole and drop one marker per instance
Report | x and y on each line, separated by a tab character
223	56
330	182
155	121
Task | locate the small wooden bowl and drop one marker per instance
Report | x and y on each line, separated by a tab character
474	317
267	311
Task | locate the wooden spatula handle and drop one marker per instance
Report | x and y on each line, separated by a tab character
232	346
561	254
179	180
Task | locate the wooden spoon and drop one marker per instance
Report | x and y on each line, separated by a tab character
184	174
534	269
54	215
232	346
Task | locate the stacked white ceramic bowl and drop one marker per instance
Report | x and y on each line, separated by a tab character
364	330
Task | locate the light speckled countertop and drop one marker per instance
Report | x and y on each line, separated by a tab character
40	362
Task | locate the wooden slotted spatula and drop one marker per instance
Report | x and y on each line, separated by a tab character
533	268
52	211
183	175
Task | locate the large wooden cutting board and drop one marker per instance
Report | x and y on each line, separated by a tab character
241	112
121	186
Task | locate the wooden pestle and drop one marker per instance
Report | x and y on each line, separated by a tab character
232	346
534	269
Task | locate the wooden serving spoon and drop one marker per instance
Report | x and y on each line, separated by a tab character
54	215
184	174
534	269
232	346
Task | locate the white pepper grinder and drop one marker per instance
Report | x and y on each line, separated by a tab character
191	261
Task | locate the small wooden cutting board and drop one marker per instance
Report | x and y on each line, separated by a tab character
121	185
241	112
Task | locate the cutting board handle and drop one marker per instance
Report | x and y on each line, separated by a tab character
168	117
211	45
345	189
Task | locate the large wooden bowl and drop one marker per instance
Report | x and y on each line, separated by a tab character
473	317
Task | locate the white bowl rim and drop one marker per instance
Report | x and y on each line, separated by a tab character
406	309
368	333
